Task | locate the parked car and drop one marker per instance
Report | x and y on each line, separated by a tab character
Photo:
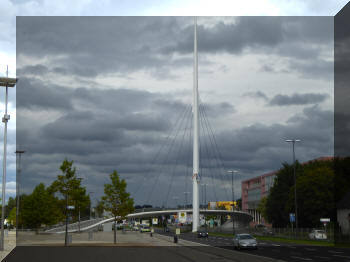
145	229
202	234
244	241
318	234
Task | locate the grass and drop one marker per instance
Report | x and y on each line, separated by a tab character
282	240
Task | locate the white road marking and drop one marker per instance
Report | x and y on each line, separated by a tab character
302	258
322	257
342	256
336	252
275	245
310	249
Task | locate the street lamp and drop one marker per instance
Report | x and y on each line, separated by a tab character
295	182
6	82
18	179
233	198
186	198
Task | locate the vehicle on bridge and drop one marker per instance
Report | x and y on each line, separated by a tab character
241	241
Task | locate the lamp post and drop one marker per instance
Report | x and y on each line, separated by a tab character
233	198
295	182
6	82
18	179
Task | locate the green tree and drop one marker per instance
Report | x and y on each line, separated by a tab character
11	203
12	217
315	194
116	200
69	186
39	208
276	210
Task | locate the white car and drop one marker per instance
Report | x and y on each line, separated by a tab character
244	241
318	234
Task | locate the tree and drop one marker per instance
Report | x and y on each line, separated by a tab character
12	217
11	203
315	194
276	210
38	208
116	200
69	186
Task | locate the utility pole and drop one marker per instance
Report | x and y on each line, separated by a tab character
6	82
18	179
233	198
295	182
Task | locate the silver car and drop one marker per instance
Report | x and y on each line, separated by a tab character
244	241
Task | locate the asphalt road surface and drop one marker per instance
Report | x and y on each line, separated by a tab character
275	250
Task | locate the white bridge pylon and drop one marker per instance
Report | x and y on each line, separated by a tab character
195	176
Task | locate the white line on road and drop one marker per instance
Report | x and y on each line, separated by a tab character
342	256
302	258
335	252
310	249
322	257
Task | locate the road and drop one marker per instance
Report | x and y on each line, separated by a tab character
275	250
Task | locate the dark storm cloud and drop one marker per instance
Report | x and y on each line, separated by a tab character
33	93
297	99
88	47
261	147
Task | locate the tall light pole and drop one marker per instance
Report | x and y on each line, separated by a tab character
6	82
186	198
233	198
18	179
295	182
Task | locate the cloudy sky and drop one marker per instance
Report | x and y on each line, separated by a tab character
115	92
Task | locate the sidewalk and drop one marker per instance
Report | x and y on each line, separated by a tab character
130	238
9	244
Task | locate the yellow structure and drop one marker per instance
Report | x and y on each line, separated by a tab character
218	204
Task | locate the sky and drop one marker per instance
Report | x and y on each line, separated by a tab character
107	91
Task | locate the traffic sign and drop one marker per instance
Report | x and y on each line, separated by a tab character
325	220
291	217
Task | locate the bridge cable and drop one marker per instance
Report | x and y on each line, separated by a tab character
176	161
171	142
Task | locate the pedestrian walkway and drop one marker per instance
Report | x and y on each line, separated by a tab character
9	244
129	238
